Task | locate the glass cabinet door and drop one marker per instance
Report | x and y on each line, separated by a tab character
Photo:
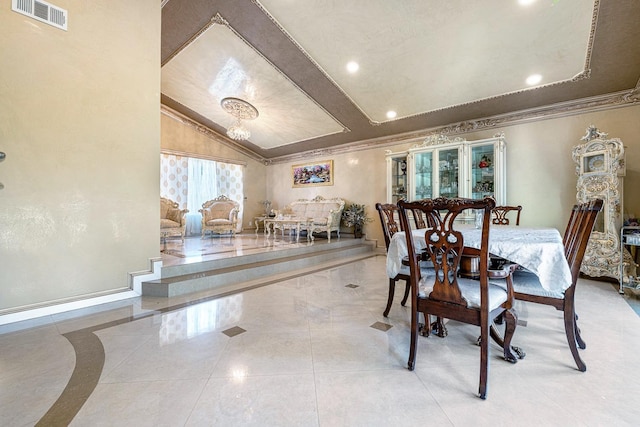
398	179
482	171
448	177
423	171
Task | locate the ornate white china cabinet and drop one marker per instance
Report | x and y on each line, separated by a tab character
458	168
600	167
396	176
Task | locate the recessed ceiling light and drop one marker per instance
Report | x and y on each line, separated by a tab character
352	66
534	79
391	114
526	2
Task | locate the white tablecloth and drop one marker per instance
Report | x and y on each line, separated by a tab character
539	250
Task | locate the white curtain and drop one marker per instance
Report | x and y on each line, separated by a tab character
202	183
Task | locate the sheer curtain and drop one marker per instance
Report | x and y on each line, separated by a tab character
202	187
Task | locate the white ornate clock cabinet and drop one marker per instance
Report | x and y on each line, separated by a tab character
600	168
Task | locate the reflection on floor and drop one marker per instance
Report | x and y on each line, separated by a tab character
197	249
313	350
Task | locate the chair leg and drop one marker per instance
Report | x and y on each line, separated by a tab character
414	339
406	293
570	329
510	319
484	359
579	339
392	287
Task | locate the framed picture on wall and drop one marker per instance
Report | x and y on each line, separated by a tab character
312	174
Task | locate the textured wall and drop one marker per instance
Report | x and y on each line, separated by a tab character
80	123
540	169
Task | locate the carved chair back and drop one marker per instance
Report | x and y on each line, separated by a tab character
500	214
389	218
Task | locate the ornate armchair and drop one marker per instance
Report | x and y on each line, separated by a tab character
172	220
219	215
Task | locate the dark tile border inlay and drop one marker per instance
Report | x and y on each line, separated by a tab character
384	327
232	332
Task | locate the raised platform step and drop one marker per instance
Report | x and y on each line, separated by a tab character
232	272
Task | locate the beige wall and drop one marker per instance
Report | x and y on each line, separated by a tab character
80	124
540	169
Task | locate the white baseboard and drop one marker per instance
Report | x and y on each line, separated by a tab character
135	290
61	308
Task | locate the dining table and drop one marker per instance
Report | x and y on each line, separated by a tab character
537	249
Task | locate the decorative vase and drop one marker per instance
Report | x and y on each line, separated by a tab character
357	231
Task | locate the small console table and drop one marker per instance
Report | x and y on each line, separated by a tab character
258	220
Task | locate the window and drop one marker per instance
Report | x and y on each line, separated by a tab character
191	181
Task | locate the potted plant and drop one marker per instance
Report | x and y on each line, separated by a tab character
354	215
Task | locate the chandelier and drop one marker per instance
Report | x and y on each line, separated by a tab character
241	110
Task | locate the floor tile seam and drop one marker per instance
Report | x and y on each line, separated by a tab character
104	374
358	371
433	396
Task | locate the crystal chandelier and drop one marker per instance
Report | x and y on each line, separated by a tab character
241	110
238	132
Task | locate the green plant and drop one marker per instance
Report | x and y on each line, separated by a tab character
355	215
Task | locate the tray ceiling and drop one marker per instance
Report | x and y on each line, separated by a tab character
434	64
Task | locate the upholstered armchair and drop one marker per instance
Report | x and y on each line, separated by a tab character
172	221
220	215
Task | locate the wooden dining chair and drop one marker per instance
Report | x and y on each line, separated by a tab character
500	217
500	214
527	287
448	296
389	218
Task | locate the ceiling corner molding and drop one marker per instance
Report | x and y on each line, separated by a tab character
211	134
592	35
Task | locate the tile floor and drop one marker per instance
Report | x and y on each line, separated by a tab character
313	350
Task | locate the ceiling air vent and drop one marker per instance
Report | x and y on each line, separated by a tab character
42	11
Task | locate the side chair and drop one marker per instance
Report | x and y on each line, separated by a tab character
445	295
500	214
390	226
500	217
527	287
